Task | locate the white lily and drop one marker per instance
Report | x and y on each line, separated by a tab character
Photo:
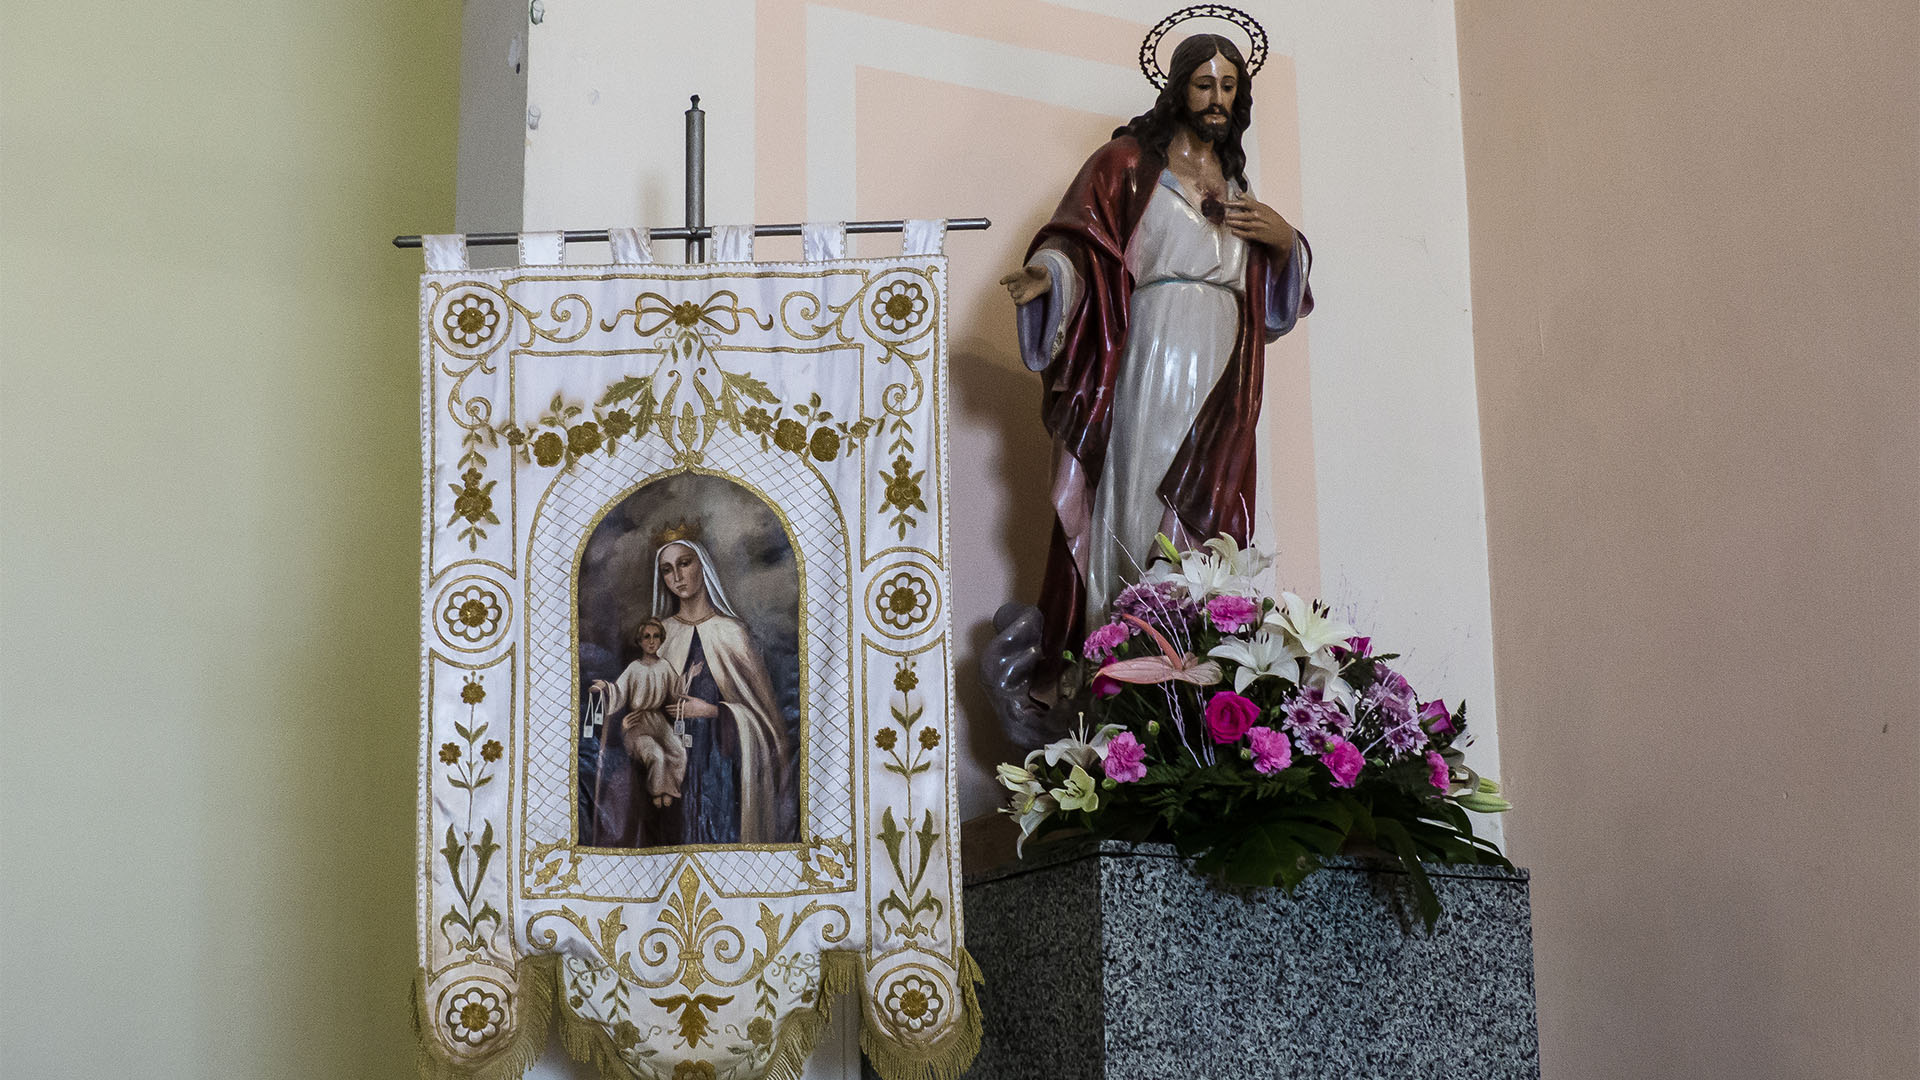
1080	749
1030	812
1265	654
1079	792
1322	672
1241	562
1308	628
1016	778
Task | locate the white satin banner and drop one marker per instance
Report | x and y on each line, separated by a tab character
686	753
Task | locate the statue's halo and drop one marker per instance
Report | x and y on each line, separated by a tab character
1256	53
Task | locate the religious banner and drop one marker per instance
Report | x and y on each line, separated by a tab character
686	665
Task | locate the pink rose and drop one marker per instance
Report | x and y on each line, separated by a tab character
1271	750
1229	716
1437	771
1105	686
1436	711
1126	758
1232	614
1343	760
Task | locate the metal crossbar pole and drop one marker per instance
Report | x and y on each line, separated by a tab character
592	236
696	231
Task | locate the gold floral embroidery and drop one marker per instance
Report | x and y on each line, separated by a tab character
470	320
903	494
473	503
909	853
475	1015
471	614
899	306
905	600
914	1002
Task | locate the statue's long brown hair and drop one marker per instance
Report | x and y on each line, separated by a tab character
1154	128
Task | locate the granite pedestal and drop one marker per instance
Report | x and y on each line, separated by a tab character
1114	961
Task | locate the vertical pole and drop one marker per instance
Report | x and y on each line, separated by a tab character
696	178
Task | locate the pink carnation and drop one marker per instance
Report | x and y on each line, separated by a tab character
1437	771
1343	760
1126	758
1229	716
1271	750
1102	642
1232	614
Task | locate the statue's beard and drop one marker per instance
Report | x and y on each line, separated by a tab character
1215	133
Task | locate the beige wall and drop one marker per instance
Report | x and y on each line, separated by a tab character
1696	287
209	472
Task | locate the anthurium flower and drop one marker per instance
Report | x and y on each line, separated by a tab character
1171	665
1081	793
1309	627
1261	655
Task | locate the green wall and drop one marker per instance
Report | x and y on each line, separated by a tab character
208	558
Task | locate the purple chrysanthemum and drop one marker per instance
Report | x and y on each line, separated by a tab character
1392	697
1406	736
1311	716
1163	603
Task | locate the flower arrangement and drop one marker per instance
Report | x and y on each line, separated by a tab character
1259	735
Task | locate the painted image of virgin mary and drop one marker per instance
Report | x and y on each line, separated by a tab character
738	772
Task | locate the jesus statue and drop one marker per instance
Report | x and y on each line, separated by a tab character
1146	304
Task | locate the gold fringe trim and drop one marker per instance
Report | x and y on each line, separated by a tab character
945	1058
535	979
800	1032
538	979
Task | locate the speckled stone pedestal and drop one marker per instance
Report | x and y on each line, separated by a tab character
1114	961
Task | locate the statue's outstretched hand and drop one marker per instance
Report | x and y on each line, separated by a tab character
1027	284
1250	219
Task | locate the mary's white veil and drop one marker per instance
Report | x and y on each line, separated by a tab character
716	594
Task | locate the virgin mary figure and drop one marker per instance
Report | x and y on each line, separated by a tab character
739	755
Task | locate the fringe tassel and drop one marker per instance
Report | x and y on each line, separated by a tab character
536	978
587	1042
945	1058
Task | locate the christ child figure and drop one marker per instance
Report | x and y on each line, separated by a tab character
644	690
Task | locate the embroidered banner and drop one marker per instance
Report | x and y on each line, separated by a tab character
686	763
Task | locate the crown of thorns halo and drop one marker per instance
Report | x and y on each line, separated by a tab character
1150	45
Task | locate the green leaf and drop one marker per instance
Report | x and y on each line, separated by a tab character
1401	844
